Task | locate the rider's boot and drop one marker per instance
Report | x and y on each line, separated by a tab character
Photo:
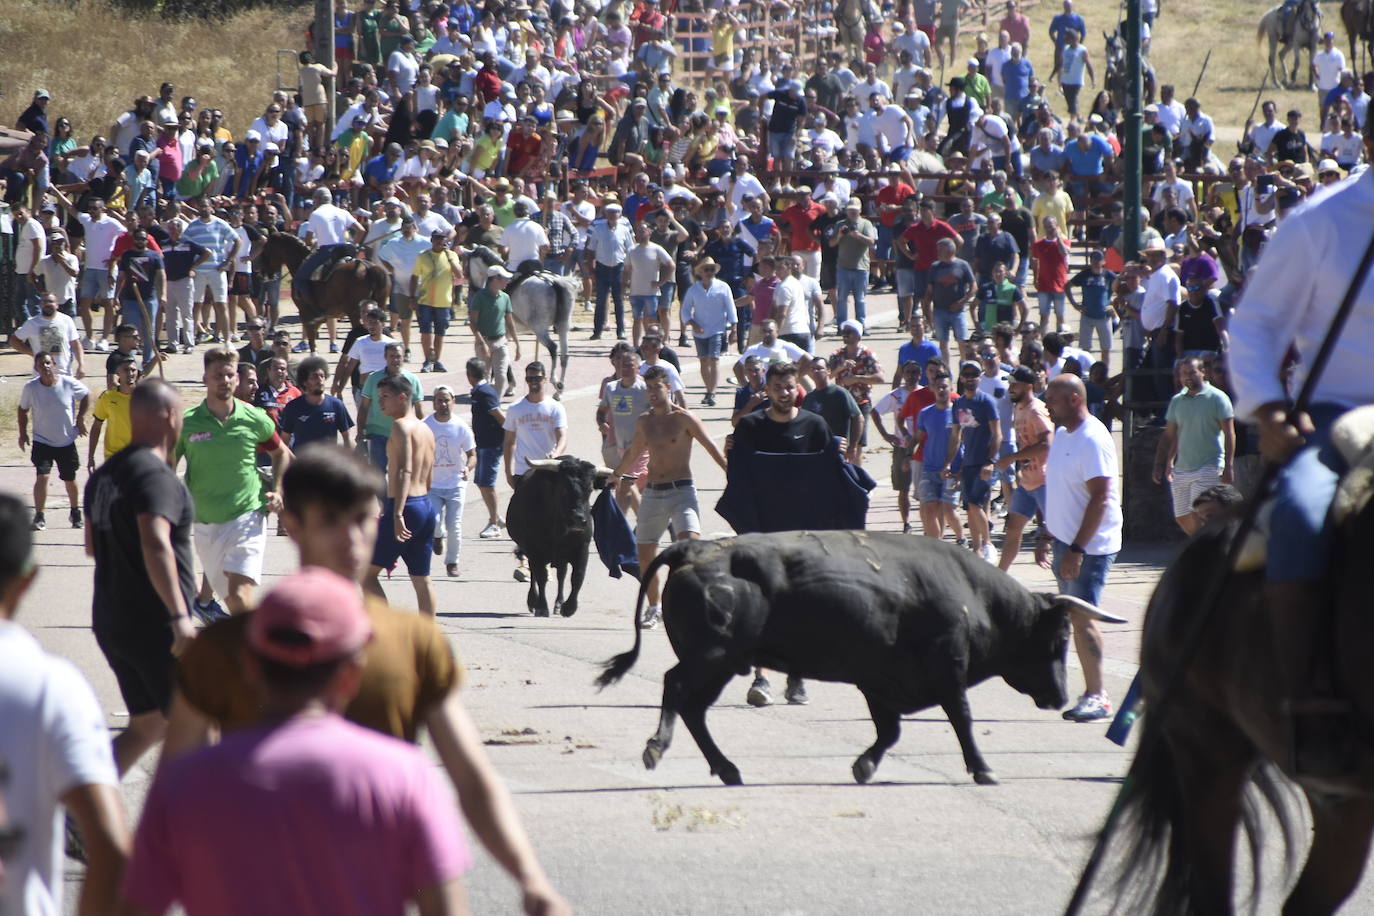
1319	720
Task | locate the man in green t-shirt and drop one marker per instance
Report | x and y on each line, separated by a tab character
489	314
220	439
375	425
1001	300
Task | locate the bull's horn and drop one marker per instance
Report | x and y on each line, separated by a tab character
1083	607
542	464
604	471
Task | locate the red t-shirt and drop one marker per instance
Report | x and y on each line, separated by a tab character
521	151
915	402
799	218
924	239
488	84
893	194
1051	265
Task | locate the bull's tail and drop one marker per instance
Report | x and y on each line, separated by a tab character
616	667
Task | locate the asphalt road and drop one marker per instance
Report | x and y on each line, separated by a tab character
799	837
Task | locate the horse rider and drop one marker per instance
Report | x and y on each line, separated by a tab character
1286	14
335	231
1293	308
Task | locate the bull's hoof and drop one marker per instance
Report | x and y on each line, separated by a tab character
568	609
863	770
986	778
652	754
729	774
521	574
541	611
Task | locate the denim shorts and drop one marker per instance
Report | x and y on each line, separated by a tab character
933	487
944	322
433	320
1092	575
710	347
1028	502
644	306
94	284
781	145
488	463
976	489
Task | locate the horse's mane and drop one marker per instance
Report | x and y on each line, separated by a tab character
287	238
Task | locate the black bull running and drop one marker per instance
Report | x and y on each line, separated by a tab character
911	622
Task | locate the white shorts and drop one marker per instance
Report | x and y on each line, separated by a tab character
235	546
212	280
1188	486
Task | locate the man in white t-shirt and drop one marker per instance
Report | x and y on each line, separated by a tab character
649	349
791	310
30	247
1327	65
367	354
102	231
536	426
1183	191
333	229
455	454
59	272
647	267
1083	515
523	239
51	332
54	753
771	349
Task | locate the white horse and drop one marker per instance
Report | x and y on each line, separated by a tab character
1304	32
540	302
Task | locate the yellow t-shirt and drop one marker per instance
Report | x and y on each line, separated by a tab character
723	40
434	278
409	670
112	409
1059	205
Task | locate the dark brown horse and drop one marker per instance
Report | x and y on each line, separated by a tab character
337	295
1358	18
1214	760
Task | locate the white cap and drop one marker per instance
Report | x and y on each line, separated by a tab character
252	135
270	148
499	271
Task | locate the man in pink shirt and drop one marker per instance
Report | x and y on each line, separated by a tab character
307	813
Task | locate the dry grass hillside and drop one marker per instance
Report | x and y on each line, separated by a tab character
96	69
95	60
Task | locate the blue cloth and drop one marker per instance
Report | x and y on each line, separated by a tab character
417	551
761	491
380	170
615	539
851	282
976	416
1016	77
731	256
1062	23
919	353
1096	291
1299	537
1088	161
937	422
304	422
1092	574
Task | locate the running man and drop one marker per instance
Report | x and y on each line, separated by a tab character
665	431
220	440
408	518
138	531
57	405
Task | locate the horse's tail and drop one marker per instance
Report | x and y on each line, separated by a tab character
1157	868
1263	28
566	294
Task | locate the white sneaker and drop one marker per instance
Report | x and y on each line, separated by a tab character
987	554
102	345
1090	707
651	616
492	530
87	344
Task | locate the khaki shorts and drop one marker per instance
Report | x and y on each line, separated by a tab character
901	469
403	306
657	508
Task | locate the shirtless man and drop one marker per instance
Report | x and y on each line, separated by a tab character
407	527
666	431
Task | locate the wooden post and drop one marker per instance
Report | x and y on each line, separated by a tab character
324	54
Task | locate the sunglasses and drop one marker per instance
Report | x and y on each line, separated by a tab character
534	378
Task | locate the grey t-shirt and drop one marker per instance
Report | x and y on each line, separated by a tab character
949	282
853	252
52	409
624	405
51	335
